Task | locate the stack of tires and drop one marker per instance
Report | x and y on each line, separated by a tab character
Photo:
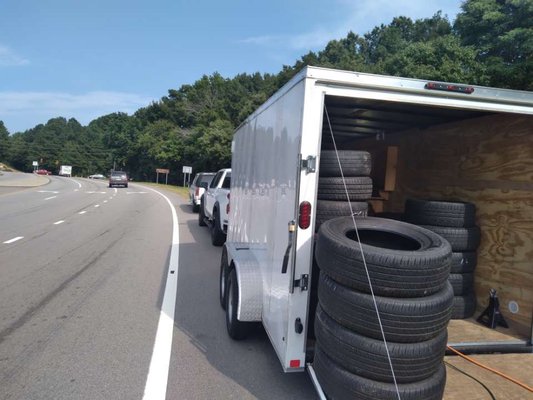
408	267
331	197
455	221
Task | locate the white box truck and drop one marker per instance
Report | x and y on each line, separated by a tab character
65	170
267	259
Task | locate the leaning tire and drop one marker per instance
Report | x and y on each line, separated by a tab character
329	209
440	213
463	262
368	357
462	283
353	163
404	320
461	239
403	260
341	384
358	187
464	306
237	330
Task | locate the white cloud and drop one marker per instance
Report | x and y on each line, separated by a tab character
9	59
24	110
360	17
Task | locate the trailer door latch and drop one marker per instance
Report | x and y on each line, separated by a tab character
303	282
309	164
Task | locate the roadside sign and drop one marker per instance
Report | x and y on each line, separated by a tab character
35	164
187	170
162	170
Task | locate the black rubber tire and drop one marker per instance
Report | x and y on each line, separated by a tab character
218	237
201	214
461	239
464	306
462	283
367	357
397	216
329	209
353	163
223	278
339	384
195	208
440	213
358	187
403	260
404	320
463	262
126	185
237	330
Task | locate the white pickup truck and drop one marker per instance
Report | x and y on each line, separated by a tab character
214	207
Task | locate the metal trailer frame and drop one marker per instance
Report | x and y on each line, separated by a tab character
275	162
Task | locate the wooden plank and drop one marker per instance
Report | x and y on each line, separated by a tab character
390	172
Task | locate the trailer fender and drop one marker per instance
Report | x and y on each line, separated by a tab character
250	283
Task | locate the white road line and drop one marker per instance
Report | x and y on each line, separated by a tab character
157	379
73	180
105	201
97	205
59	222
49	198
82	212
13	240
47	191
111	198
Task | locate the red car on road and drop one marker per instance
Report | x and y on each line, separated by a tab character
42	172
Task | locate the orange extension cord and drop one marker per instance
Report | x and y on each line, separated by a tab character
490	369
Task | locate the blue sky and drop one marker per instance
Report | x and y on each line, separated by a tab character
87	58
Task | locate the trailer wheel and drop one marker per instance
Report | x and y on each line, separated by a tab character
462	283
223	280
332	188
403	260
237	330
341	384
367	357
404	320
440	213
329	209
461	239
464	306
353	162
218	237
201	215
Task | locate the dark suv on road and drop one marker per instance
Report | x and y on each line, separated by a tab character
118	178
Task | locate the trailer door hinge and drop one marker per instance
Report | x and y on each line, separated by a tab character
309	164
303	282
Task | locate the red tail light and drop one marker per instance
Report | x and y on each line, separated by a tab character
197	192
227	207
304	220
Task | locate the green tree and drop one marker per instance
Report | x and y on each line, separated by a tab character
4	142
502	32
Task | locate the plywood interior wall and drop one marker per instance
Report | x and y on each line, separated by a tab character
489	162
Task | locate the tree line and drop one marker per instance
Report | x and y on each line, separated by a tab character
490	43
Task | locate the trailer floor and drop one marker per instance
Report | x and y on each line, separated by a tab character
517	366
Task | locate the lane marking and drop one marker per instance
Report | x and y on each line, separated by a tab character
76	190
157	379
136	192
74	180
47	191
97	205
59	222
82	212
13	240
105	201
49	198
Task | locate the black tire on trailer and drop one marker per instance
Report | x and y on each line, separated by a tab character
338	383
440	213
461	239
218	237
195	207
329	209
462	283
367	357
237	330
332	188
397	216
404	320
223	278
201	215
464	306
403	260
463	262
353	163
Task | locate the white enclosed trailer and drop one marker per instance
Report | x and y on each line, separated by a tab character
267	259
